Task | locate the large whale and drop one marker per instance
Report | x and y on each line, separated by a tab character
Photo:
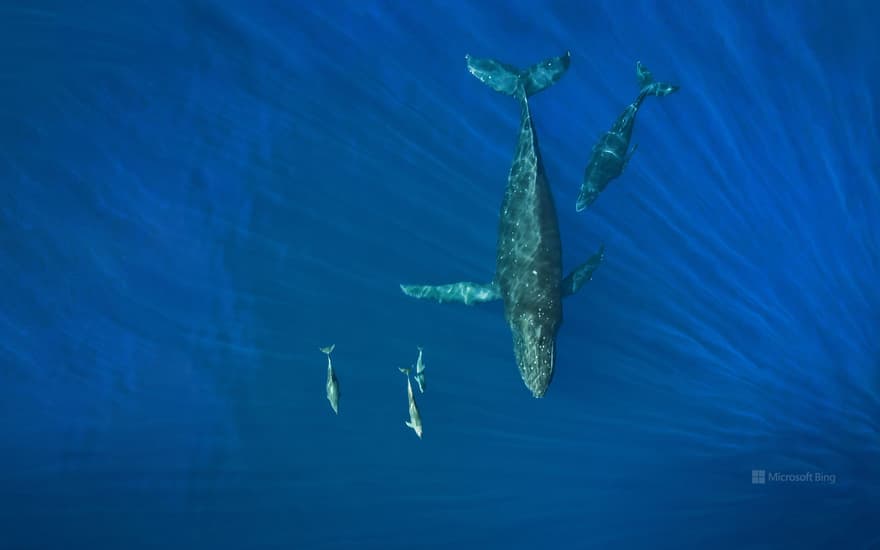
528	273
609	155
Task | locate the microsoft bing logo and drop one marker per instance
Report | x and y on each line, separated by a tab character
763	477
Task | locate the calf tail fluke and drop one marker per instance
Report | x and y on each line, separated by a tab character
647	85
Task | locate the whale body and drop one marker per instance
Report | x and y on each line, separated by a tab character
611	153
528	263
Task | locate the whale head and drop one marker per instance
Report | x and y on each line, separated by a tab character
587	196
534	345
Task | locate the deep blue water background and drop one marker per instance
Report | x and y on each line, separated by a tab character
196	195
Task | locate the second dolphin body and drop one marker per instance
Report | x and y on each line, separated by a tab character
528	263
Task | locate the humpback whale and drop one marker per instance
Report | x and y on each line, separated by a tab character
609	155
528	271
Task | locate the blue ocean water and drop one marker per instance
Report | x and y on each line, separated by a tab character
197	195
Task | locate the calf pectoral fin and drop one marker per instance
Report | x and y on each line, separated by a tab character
584	272
464	292
629	156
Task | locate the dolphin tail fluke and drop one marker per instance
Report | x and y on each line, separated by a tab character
404	371
647	86
328	349
464	292
509	80
584	272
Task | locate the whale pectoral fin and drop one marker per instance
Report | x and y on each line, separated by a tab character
464	292
584	272
629	156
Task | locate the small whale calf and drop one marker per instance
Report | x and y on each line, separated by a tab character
332	381
420	372
415	419
611	154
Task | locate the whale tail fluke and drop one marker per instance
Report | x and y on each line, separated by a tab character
509	80
648	86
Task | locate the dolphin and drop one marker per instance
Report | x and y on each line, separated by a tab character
420	372
332	381
528	262
415	419
609	156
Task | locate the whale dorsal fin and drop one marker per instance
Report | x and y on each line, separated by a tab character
583	273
